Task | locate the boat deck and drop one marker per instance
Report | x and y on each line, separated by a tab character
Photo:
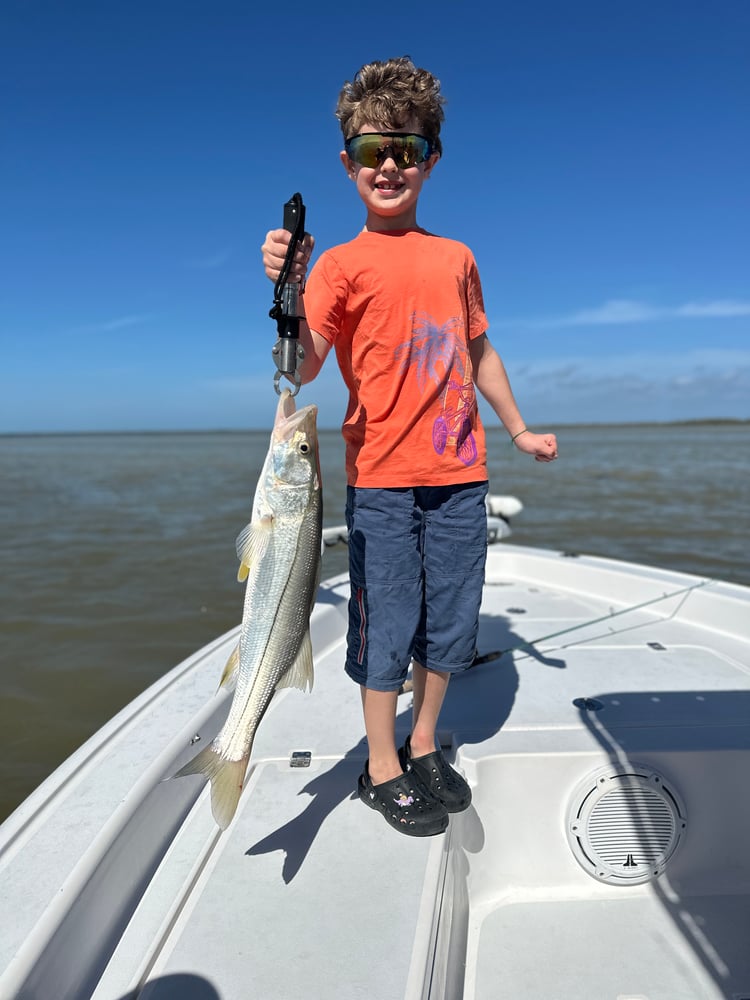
603	858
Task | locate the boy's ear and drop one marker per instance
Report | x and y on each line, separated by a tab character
430	164
348	164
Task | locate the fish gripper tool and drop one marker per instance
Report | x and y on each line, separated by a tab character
287	351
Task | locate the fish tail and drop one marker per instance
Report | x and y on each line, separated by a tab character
227	778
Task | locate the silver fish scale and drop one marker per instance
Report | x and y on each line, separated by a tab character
279	597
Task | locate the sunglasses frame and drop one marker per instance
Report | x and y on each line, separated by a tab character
387	148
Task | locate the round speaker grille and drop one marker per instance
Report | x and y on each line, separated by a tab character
624	824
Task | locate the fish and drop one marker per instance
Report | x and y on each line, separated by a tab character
280	554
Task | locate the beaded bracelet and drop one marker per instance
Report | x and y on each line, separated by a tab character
518	435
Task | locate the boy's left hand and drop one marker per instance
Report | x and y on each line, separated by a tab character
542	446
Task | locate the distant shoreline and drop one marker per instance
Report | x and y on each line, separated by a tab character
694	422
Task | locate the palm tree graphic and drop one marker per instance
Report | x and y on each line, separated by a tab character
433	350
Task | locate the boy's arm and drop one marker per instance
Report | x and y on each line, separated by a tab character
492	381
274	249
316	348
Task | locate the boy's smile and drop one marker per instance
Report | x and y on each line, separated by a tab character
389	185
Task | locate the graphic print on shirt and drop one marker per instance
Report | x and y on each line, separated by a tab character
434	351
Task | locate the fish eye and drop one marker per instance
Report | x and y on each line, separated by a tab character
304	447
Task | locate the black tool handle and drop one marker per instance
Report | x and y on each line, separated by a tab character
294	216
287	353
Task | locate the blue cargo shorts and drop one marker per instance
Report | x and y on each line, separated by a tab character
416	565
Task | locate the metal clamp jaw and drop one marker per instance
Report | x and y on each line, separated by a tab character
288	355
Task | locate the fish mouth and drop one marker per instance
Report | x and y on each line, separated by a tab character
289	419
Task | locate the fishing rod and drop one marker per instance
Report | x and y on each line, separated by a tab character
497	653
287	351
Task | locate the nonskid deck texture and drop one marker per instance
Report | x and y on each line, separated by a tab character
616	748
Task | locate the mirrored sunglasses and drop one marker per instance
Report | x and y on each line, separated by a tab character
405	148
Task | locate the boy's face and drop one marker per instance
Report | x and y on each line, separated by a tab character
390	192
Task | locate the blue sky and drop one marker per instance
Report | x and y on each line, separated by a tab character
596	160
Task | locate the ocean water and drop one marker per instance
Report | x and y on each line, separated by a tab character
117	551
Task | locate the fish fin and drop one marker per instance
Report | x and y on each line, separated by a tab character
229	676
227	778
300	674
252	543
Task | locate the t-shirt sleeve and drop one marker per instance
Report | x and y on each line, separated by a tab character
475	300
326	293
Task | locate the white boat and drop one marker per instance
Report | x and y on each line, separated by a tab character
606	737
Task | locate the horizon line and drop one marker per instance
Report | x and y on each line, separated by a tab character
686	421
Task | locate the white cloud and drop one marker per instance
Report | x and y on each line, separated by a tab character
675	385
619	311
722	309
118	323
210	262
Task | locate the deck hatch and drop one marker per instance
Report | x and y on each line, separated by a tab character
624	824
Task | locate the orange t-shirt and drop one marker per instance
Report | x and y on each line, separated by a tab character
400	309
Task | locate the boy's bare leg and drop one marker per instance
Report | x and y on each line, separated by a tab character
429	689
380	725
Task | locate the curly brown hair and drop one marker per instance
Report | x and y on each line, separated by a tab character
388	95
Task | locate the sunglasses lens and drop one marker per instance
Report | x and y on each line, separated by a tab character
406	149
363	149
413	149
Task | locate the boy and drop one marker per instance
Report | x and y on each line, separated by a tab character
403	310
